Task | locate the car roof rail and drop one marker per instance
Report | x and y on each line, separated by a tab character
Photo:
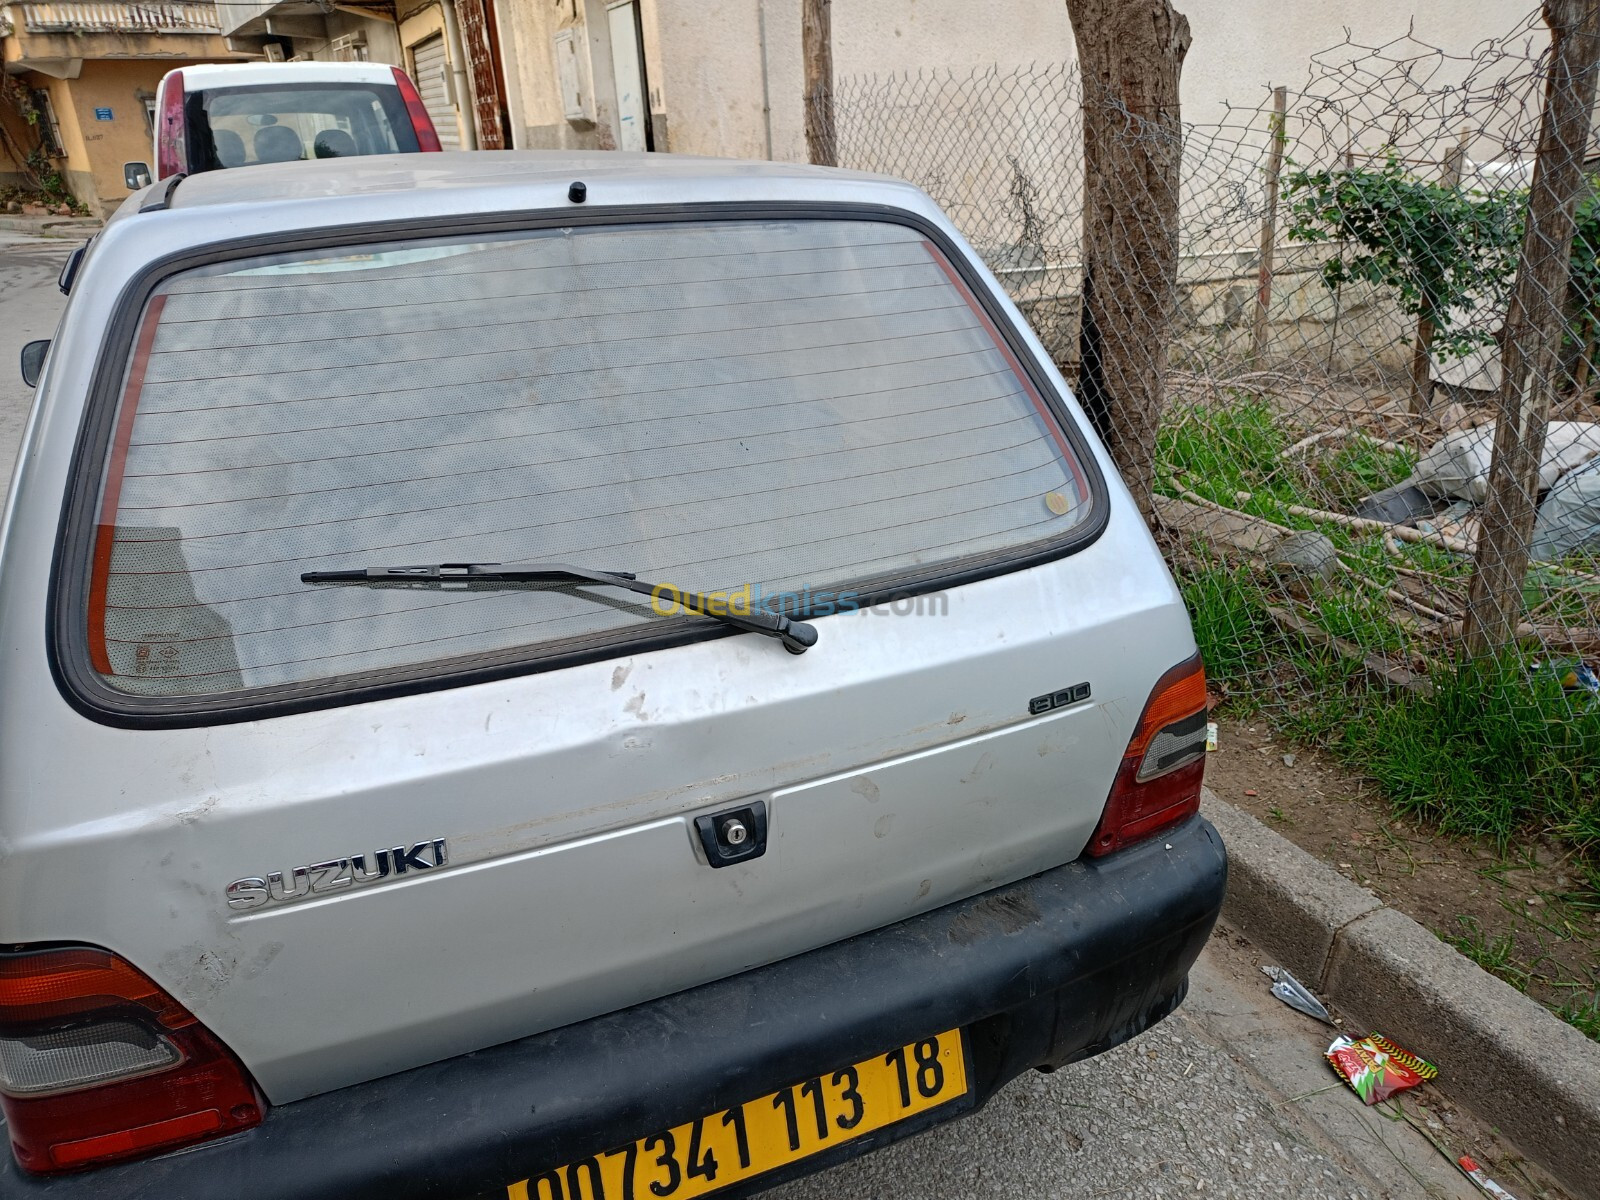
163	199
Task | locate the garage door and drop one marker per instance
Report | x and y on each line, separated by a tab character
431	72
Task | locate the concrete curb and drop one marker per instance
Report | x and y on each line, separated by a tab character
52	227
1500	1054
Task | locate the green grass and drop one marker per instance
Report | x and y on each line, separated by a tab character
1584	1013
1497	750
1495	954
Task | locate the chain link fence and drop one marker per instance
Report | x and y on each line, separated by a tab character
1339	332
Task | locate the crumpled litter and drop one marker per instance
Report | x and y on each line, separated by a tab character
1457	466
1295	994
1479	1176
1573	675
1376	1068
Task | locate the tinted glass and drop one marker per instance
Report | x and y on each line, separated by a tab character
240	127
801	407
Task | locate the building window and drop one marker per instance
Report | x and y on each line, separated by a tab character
49	127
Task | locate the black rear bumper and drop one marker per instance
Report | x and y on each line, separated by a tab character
1042	972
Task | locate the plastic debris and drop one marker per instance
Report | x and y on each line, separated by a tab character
1376	1068
1476	1173
1569	517
1211	735
1573	675
1458	466
1295	994
1396	505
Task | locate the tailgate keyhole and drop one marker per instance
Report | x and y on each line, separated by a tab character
737	835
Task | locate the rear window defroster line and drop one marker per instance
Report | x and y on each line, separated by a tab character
1051	423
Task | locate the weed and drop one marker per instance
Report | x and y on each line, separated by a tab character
1584	1013
1496	955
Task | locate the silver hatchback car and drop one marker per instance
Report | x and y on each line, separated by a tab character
560	677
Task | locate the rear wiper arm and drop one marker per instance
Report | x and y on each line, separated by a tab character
797	636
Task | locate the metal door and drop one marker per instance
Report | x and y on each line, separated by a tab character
432	73
627	65
477	41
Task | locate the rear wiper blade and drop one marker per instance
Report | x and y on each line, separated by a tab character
797	636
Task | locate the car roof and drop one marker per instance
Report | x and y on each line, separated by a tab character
202	76
265	204
511	172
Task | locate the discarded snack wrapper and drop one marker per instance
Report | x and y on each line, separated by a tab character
1211	735
1295	994
1376	1068
1476	1173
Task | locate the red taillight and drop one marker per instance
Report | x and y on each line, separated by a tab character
427	138
1158	783
172	154
97	1063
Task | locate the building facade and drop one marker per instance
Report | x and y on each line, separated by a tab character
80	85
724	77
451	48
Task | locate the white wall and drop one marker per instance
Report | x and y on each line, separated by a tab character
706	61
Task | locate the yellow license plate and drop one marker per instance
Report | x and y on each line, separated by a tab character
762	1135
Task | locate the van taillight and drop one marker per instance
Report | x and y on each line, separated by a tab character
427	137
97	1063
172	147
1158	783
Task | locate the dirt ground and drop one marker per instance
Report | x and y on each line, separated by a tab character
1525	913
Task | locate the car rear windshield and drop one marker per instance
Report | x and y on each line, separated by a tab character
243	126
813	409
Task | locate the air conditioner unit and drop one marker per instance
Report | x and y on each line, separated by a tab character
273	51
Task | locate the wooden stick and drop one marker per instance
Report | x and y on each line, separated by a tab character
1307	442
1195	498
1404	532
1269	223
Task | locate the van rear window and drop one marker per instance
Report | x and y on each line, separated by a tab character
243	126
809	409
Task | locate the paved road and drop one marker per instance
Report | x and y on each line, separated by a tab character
1230	1097
30	304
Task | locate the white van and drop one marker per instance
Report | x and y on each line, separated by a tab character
217	116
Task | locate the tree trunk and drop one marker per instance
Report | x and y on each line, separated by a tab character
816	44
1130	54
1534	328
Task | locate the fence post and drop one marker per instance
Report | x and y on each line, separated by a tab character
1534	328
1269	222
816	43
1455	160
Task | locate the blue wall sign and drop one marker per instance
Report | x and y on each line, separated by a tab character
102	114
